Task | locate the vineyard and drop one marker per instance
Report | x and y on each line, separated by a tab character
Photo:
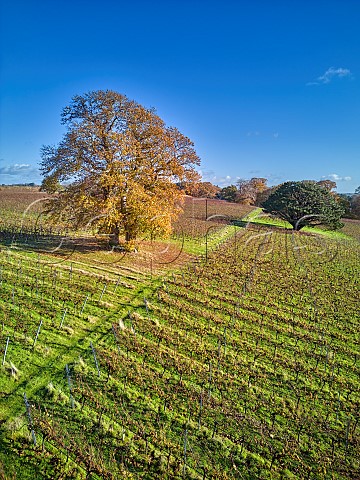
239	362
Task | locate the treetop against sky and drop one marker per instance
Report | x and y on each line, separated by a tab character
265	89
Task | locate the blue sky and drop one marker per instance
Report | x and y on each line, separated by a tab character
263	88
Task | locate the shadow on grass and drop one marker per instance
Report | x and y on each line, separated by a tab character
63	246
262	225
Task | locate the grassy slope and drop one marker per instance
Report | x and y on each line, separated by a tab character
257	217
241	367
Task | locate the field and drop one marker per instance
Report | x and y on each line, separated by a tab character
228	352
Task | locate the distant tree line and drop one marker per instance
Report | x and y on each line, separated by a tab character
255	191
122	169
31	184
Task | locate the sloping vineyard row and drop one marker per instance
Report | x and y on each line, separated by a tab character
244	366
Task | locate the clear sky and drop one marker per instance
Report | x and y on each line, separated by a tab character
263	87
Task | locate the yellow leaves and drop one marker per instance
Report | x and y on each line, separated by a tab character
126	161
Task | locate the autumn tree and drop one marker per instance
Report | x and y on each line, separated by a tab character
345	202
263	195
304	204
249	189
51	185
122	164
329	185
202	189
355	204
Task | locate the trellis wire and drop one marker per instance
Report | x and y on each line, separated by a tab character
6	347
27	406
95	359
63	318
37	333
84	304
69	383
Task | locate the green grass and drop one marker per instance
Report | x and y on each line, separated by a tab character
241	366
258	217
212	239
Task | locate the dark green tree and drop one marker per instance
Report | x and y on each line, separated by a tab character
304	204
228	193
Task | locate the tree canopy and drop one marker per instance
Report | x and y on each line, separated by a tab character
228	193
202	189
248	190
355	205
122	164
329	185
303	204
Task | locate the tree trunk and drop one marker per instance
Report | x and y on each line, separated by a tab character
297	226
128	237
129	234
116	236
